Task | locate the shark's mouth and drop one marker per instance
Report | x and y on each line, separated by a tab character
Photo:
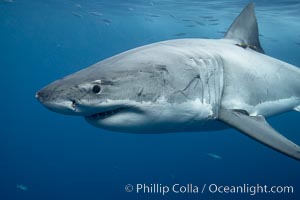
103	115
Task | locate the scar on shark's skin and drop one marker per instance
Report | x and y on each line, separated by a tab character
186	85
163	68
106	82
182	91
140	92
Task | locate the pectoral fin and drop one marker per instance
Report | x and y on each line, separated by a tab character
258	128
297	109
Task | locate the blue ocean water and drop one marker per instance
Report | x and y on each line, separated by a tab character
63	157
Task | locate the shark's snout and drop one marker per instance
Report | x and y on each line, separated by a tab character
47	94
42	96
50	98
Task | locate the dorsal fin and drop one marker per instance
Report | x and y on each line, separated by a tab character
244	29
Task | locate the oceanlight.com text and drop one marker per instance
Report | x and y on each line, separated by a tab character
164	189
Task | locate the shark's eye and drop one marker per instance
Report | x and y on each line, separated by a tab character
96	89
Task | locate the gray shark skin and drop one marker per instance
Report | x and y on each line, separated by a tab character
186	85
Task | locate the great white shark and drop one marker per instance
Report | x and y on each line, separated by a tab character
186	85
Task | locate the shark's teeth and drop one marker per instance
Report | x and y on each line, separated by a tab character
105	114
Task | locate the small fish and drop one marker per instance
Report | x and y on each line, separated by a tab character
213	20
172	16
96	13
131	9
214	24
180	34
199	23
152	15
22	187
76	14
190	25
107	21
186	20
215	156
78	5
207	17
